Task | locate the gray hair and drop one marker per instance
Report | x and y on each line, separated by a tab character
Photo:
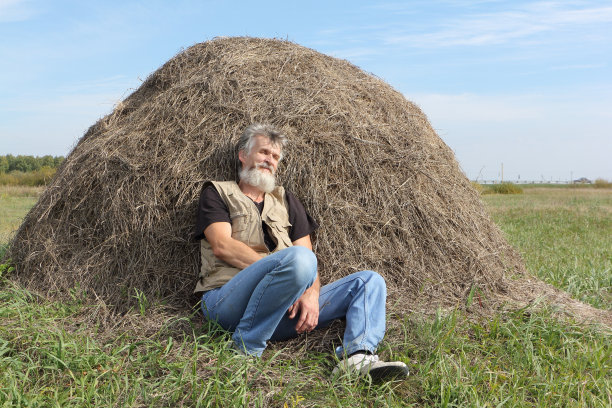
247	139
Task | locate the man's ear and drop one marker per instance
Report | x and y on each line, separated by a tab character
241	156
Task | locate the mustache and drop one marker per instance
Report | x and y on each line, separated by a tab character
264	166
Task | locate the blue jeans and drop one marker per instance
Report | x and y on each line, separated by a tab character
254	303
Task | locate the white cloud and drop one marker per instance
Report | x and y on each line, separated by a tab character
353	53
578	66
519	23
575	17
16	10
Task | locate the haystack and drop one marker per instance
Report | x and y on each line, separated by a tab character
387	192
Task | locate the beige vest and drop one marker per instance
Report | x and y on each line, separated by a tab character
247	228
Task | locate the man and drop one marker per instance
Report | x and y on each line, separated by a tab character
259	275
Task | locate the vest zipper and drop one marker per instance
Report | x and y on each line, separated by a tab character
261	232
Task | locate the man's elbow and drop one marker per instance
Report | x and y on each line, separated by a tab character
219	251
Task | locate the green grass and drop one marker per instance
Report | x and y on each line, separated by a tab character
29	178
51	356
564	237
14	204
515	360
502	188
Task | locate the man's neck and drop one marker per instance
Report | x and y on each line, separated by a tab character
252	192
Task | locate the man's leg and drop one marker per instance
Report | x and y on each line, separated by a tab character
254	301
360	298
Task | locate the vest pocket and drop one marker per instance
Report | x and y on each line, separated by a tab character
279	227
282	234
239	223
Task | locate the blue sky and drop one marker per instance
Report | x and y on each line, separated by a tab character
523	83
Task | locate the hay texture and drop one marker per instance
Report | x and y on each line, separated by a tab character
386	190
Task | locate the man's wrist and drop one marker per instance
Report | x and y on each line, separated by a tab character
313	290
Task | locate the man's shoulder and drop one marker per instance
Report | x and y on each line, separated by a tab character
279	194
226	183
279	190
223	187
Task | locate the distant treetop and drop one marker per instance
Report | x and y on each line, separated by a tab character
24	164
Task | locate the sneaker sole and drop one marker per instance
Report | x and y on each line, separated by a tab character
388	372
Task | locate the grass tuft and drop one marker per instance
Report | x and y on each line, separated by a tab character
503	188
478	187
33	178
602	183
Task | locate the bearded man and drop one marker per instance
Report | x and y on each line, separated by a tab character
259	275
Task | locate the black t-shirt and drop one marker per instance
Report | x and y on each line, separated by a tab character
212	208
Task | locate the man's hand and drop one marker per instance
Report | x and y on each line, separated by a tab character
308	308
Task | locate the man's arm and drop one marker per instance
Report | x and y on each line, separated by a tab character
308	304
226	248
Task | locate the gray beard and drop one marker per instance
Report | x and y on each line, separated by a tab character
257	178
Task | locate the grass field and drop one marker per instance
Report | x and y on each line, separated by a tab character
516	359
15	201
564	235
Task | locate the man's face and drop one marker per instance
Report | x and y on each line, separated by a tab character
264	155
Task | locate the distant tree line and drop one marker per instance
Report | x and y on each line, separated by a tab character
10	163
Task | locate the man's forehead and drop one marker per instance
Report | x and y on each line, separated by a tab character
264	141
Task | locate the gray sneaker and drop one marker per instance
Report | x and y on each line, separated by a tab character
364	364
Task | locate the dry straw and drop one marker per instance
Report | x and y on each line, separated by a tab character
366	163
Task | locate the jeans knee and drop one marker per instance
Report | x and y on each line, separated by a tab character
374	280
303	264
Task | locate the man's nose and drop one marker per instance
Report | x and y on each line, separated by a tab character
269	159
